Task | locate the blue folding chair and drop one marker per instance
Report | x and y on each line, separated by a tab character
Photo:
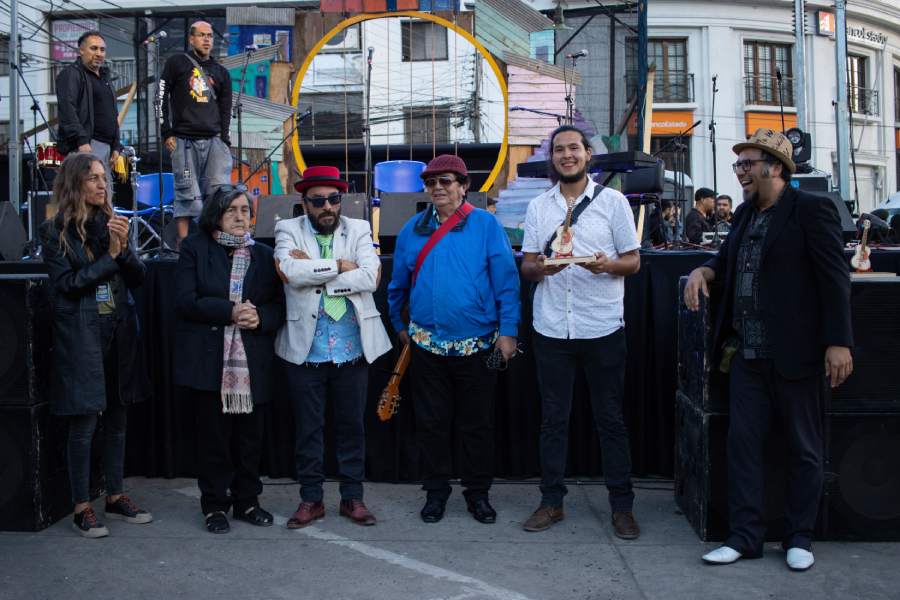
399	176
146	204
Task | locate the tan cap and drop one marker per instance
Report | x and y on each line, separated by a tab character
772	142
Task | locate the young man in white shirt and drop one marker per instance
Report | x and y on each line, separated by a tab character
578	311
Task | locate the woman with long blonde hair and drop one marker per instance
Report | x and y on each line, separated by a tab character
96	352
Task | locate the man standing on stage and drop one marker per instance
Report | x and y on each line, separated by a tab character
88	117
196	105
784	317
578	318
723	209
700	219
333	330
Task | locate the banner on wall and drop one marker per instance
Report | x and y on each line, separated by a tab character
64	45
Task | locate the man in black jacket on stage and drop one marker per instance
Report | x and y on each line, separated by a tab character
88	117
700	219
783	322
196	103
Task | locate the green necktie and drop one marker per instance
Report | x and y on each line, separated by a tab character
335	306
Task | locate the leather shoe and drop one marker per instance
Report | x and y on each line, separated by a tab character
217	522
357	512
723	555
482	510
433	511
255	516
624	526
799	559
543	518
306	513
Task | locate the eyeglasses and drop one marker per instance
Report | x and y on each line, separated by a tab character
319	201
444	180
746	164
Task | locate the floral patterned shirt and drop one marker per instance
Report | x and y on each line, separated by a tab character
336	341
430	341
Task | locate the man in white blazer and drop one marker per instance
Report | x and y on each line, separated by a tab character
333	330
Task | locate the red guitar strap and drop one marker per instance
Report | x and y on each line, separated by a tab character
461	213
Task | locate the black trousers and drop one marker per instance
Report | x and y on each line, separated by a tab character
229	447
312	387
757	394
603	361
448	389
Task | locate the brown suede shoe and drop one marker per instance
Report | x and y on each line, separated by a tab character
543	518
357	512
306	513
625	526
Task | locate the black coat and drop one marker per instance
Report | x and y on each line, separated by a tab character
78	384
804	285
695	225
204	310
76	108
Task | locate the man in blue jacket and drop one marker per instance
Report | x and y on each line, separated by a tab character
462	293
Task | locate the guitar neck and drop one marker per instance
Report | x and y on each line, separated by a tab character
399	369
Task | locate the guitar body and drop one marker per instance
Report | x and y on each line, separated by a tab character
860	259
562	244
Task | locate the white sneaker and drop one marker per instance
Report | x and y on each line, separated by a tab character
799	559
723	555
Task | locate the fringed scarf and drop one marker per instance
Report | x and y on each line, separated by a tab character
236	394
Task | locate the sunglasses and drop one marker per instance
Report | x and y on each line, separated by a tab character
444	180
238	187
319	201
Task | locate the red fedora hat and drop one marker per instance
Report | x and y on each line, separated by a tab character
314	176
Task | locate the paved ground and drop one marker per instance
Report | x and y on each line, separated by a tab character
402	558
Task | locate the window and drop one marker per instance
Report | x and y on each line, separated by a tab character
672	82
423	40
4	54
424	126
329	121
762	62
861	99
897	99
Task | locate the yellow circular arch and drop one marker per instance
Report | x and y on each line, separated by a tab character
295	98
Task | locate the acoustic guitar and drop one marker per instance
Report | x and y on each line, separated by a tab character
389	402
860	259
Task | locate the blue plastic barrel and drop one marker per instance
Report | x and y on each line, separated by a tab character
399	176
148	189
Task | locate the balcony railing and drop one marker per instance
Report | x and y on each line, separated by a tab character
863	101
763	90
121	73
668	86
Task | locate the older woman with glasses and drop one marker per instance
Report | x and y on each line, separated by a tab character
230	305
454	270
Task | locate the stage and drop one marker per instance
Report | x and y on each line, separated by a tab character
161	432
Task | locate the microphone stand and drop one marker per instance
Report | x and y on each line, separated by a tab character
676	143
297	122
780	98
157	109
368	138
237	111
568	86
33	165
559	118
712	132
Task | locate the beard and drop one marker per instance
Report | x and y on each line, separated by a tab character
326	228
574	178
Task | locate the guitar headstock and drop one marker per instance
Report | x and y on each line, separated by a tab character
388	404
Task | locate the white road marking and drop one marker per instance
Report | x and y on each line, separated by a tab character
472	586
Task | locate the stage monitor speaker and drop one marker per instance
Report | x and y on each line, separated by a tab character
12	232
874	385
811	183
272	209
34	492
848	227
25	331
649	180
398	208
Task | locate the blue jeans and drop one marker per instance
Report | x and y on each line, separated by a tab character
603	360
82	427
344	387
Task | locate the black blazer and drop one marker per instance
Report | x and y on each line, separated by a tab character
804	285
78	383
201	285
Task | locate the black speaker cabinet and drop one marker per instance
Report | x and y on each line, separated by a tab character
698	378
12	232
25	331
34	486
701	472
272	209
874	385
398	208
862	473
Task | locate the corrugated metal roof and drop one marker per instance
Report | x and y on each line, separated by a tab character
526	17
498	32
257	15
266	108
236	61
538	66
